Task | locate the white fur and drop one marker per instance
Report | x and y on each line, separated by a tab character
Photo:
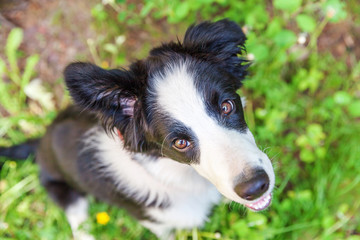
190	195
76	214
224	153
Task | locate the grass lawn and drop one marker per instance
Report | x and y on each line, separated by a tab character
303	107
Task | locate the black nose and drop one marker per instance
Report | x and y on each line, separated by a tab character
255	187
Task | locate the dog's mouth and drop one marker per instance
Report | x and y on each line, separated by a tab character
260	204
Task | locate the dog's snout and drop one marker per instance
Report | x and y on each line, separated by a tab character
253	188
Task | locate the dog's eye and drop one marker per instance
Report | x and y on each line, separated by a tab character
227	107
181	144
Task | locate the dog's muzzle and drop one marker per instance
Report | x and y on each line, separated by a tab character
254	189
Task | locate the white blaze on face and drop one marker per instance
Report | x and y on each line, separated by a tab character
224	153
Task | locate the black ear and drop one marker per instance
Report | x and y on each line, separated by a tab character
106	91
222	41
114	94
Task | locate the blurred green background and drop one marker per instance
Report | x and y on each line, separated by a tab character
303	106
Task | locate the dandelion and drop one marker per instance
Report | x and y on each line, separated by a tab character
102	218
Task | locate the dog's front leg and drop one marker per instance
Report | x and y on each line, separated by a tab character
76	214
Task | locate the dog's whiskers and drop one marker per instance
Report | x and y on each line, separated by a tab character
162	145
273	158
264	150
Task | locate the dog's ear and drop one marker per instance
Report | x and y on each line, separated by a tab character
113	94
221	42
106	91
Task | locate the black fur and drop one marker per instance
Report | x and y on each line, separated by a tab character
106	189
218	87
220	43
168	130
209	45
108	92
21	151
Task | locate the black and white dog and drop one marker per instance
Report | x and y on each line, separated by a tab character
172	137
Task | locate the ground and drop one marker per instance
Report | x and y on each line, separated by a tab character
59	31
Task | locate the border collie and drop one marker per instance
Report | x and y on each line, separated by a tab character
162	138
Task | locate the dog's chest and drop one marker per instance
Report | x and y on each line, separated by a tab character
170	192
190	196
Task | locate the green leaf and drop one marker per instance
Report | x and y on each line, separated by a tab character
353	237
328	221
256	219
342	98
298	78
258	17
5	94
99	12
305	22
147	8
181	10
309	80
315	134
261	113
29	69
260	51
334	10
2	68
304	195
131	7
307	156
285	38
5	98
14	40
302	141
287	5
275	26
315	75
122	16
354	108
111	48
200	4
241	228
28	72
320	152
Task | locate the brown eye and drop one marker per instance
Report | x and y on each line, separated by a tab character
181	144
227	107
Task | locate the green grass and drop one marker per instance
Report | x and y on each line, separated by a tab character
303	107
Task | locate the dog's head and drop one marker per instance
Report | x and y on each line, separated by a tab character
181	102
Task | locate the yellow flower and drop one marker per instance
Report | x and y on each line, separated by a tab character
102	218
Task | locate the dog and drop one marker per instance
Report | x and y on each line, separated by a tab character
162	139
